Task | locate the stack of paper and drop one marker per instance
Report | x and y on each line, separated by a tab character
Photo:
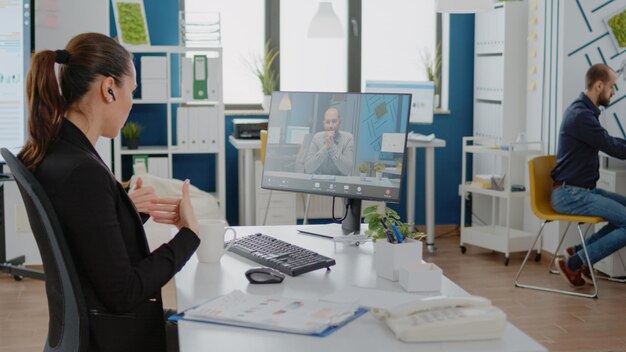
274	313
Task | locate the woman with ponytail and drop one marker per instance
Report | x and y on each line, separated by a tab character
121	279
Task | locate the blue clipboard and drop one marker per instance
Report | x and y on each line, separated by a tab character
328	331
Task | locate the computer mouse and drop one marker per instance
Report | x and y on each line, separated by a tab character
264	276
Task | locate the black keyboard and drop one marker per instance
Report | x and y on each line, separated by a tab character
280	255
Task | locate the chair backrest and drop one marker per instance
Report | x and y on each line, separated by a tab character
68	321
540	169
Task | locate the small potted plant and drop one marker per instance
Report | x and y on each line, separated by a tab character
390	256
262	68
379	168
131	132
375	228
432	65
364	170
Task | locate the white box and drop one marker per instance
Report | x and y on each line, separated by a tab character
420	277
389	257
153	89
153	67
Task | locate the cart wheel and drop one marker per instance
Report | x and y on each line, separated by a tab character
463	249
18	277
506	261
538	257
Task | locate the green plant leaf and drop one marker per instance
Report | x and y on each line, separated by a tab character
370	209
261	67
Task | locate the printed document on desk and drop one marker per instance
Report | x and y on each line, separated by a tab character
309	317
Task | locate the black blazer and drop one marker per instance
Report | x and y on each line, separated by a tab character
120	278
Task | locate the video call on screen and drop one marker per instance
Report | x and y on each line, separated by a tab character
343	144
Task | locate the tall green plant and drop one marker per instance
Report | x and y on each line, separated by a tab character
432	65
262	69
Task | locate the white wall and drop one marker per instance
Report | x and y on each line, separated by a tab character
569	39
55	23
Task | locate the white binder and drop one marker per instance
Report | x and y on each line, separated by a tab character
194	133
207	120
213	79
182	128
186	78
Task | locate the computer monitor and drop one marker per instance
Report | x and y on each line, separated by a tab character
422	96
348	145
15	48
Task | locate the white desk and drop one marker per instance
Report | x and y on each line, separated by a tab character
197	283
429	175
247	192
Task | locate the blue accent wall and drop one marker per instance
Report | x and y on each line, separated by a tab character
162	17
451	127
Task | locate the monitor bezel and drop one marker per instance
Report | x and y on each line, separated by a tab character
340	195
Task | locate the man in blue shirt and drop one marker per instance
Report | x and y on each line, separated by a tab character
574	178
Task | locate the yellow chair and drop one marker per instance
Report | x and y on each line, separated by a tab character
539	170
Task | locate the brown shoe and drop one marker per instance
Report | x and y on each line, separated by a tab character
585	273
573	278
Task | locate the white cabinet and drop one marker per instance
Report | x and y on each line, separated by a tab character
503	230
205	123
281	209
615	264
500	71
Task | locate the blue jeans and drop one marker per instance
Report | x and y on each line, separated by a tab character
595	202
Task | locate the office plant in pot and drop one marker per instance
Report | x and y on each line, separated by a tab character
364	170
432	66
131	131
379	168
390	250
262	68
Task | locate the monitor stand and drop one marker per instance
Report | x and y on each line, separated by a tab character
350	225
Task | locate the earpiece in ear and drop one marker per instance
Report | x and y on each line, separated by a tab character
110	91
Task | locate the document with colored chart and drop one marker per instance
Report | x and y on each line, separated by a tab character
311	317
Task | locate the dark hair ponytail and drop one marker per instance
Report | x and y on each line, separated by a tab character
86	56
45	107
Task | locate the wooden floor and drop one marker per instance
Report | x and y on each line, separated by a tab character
558	322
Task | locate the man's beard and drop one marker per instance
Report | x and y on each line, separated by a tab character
603	101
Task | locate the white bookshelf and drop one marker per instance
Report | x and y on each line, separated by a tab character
170	149
499	108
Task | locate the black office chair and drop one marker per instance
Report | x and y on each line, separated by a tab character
68	328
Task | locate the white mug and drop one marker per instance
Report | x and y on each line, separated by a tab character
211	235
